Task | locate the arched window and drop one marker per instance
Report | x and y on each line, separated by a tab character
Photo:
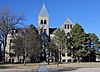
68	26
45	22
41	22
65	26
68	34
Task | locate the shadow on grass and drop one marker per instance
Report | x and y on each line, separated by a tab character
7	67
63	69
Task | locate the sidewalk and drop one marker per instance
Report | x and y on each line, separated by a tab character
43	67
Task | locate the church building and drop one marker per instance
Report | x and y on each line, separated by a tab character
44	30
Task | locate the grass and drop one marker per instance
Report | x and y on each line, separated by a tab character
78	65
72	66
52	65
19	66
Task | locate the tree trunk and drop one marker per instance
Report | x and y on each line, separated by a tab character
25	59
78	59
18	58
4	44
57	57
48	61
60	54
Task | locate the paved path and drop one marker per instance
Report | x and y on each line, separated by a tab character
43	67
85	70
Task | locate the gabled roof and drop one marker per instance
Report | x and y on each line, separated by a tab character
68	21
43	11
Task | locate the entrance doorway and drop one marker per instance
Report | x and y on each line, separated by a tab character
43	55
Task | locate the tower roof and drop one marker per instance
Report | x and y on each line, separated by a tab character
43	11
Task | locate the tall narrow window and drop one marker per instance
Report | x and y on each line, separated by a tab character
12	33
44	30
63	60
45	22
63	55
68	26
41	22
12	47
65	26
10	40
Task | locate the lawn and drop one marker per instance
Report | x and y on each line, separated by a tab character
78	65
72	66
52	65
19	66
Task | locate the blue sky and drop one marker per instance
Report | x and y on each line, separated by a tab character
84	12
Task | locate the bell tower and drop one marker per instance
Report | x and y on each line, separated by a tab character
43	21
43	29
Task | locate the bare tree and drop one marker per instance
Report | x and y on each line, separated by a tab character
8	21
27	44
21	43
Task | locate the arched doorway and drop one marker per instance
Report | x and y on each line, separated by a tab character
42	55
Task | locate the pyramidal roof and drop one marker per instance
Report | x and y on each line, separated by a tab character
68	21
43	11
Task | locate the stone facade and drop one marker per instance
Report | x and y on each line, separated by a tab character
10	56
9	50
